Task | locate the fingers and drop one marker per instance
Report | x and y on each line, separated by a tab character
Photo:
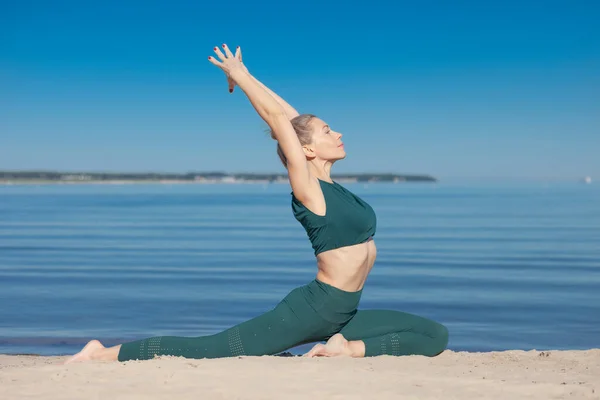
227	51
214	61
231	84
219	54
224	63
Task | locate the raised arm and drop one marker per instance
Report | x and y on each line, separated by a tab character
274	114
290	111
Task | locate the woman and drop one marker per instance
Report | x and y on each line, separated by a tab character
340	227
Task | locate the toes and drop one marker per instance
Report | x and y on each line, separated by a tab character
315	351
86	353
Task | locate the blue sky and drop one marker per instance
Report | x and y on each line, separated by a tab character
453	89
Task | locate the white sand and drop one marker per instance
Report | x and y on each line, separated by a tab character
451	375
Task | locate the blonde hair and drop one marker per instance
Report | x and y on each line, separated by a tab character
301	125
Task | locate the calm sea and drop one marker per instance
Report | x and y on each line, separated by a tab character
503	266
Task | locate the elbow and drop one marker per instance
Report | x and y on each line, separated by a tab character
276	113
272	109
276	119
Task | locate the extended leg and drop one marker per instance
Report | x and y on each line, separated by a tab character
269	333
292	322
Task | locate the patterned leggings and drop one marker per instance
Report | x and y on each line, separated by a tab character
310	313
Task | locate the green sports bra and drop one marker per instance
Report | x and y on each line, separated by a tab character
348	219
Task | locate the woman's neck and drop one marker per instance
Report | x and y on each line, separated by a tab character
320	170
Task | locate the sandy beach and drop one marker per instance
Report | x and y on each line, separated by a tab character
451	375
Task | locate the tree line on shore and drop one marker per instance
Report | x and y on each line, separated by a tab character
195	176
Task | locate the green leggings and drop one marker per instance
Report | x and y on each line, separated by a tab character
310	313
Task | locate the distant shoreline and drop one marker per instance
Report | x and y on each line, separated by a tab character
132	182
248	182
70	178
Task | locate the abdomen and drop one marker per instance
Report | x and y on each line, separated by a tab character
347	268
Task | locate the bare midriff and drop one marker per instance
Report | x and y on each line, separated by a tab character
347	268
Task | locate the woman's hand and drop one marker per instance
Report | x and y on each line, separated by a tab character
238	55
231	64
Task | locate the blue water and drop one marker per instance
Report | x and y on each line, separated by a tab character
503	266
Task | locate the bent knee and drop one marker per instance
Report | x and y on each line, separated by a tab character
441	337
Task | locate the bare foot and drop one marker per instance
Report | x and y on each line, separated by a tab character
86	353
337	345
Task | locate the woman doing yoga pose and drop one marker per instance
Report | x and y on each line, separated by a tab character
340	227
